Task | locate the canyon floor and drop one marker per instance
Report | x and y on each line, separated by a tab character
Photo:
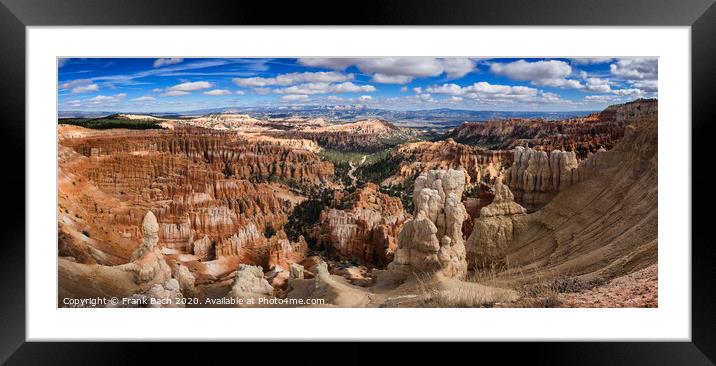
228	210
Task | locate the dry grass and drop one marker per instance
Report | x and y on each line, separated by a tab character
500	285
538	289
461	294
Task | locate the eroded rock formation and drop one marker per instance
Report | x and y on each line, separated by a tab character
363	226
480	196
536	176
432	241
581	135
204	248
167	295
250	283
419	157
147	262
146	269
284	253
495	228
213	194
604	226
364	135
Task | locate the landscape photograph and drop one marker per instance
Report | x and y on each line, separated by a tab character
357	182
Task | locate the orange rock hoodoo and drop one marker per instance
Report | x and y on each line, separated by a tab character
419	157
214	194
363	226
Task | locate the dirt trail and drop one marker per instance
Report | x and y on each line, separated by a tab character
353	169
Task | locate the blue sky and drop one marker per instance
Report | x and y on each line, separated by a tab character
402	83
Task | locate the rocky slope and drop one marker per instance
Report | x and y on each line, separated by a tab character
362	226
601	227
581	135
537	175
365	135
146	267
214	195
636	290
157	214
419	157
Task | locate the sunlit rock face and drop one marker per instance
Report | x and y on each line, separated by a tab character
364	227
211	193
581	135
419	157
540	171
494	230
432	241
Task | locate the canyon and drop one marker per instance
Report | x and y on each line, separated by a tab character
581	135
230	206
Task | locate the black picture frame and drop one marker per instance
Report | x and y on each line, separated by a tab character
700	15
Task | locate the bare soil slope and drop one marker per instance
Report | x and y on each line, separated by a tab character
601	228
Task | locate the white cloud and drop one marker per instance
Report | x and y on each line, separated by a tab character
410	66
591	60
262	91
349	87
426	97
458	67
146	98
598	85
646	85
450	89
240	92
190	86
216	92
365	98
323	88
529	71
329	63
635	68
494	94
551	98
397	70
75	83
308	88
504	91
167	61
175	93
560	83
541	73
631	92
107	99
75	103
334	98
294	78
404	89
483	88
294	98
157	90
85	88
392	79
599	98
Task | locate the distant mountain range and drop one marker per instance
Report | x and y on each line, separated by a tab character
429	118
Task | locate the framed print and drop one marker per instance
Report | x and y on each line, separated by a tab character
461	172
